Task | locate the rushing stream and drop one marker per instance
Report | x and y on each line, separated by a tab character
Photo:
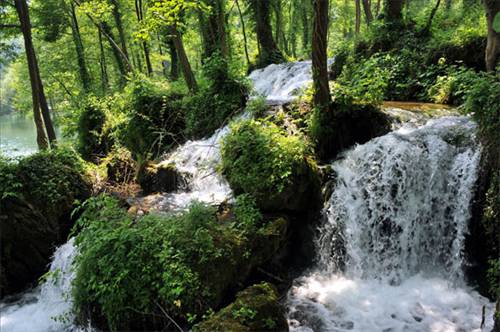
390	250
399	212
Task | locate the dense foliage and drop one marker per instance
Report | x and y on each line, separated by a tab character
129	270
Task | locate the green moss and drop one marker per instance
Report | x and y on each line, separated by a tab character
184	263
260	159
255	309
93	140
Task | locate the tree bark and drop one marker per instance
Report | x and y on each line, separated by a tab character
213	30
174	60
102	62
80	55
242	21
358	16
319	57
367	8
428	26
492	53
393	10
269	51
184	61
119	26
24	20
145	47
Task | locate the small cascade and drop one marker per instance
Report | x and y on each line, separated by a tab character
47	308
390	251
281	83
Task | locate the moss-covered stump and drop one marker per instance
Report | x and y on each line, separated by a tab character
262	160
130	272
37	196
344	125
162	177
256	309
120	167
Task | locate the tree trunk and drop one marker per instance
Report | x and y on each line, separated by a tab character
24	20
244	32
367	8
377	9
80	55
119	26
145	48
174	59
319	57
305	27
358	16
269	52
393	11
120	57
492	53
184	61
428	26
102	61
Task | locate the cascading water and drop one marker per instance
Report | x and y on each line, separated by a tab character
36	311
390	249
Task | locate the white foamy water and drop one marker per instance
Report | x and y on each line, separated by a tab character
198	160
47	308
280	83
390	251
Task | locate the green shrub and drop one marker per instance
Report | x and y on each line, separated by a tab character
130	270
93	141
260	159
51	180
221	97
155	120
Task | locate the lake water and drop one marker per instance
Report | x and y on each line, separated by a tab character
17	135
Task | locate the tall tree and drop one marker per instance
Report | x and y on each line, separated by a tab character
40	107
140	17
393	11
428	26
77	40
187	71
269	51
492	54
358	16
213	29
319	56
306	35
367	8
243	31
119	26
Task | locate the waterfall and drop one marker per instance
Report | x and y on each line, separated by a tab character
48	307
390	249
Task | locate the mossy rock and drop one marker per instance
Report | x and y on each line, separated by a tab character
120	167
256	309
37	197
264	161
162	177
345	125
194	261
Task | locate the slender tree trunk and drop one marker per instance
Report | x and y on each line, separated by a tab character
367	8
119	26
213	29
24	20
102	61
120	57
145	48
393	10
319	56
242	21
377	9
305	26
174	61
492	53
428	26
184	61
269	51
80	55
358	16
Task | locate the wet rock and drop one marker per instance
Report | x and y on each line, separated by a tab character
255	309
160	177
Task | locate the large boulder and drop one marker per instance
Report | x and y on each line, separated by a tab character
37	197
255	309
263	160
